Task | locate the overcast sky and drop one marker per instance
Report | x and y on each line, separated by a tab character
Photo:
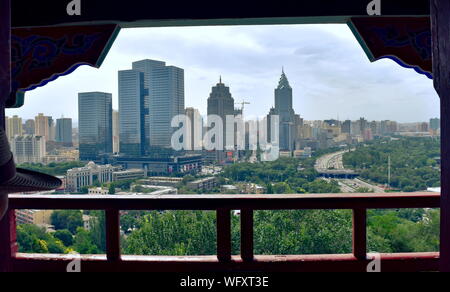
328	70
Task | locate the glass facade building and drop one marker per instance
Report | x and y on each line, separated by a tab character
147	67
64	131
166	102
150	95
95	125
132	113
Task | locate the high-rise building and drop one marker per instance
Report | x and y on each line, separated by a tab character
221	104
28	149
363	125
116	132
29	127
63	133
435	124
94	125
285	111
375	128
132	113
150	96
51	129
166	102
195	129
347	127
423	127
42	126
147	66
13	126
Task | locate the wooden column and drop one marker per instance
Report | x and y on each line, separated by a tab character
360	234
5	56
224	235
8	242
440	19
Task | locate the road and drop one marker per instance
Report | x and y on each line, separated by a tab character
352	185
331	161
334	162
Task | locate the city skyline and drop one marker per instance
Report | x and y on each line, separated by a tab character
328	82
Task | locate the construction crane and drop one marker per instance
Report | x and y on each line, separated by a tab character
243	104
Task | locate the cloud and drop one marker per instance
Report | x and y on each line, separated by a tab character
326	66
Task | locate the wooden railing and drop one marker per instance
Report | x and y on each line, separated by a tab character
11	260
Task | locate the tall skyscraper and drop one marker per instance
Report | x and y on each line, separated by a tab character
95	124
64	131
132	113
42	126
13	127
29	127
147	66
116	132
287	117
221	103
166	102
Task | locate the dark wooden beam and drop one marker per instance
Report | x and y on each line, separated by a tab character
230	202
440	17
414	262
49	12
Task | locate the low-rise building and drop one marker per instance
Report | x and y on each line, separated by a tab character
204	184
162	181
253	189
87	222
35	217
287	154
98	191
159	190
131	174
229	189
78	178
187	164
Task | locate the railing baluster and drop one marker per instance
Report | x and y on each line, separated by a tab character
247	239
224	235
360	234
113	251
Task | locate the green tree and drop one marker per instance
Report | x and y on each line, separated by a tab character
67	219
65	236
33	239
112	189
84	243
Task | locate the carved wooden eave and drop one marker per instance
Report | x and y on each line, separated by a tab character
405	40
41	55
47	43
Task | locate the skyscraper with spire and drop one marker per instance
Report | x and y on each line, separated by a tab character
221	103
287	117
